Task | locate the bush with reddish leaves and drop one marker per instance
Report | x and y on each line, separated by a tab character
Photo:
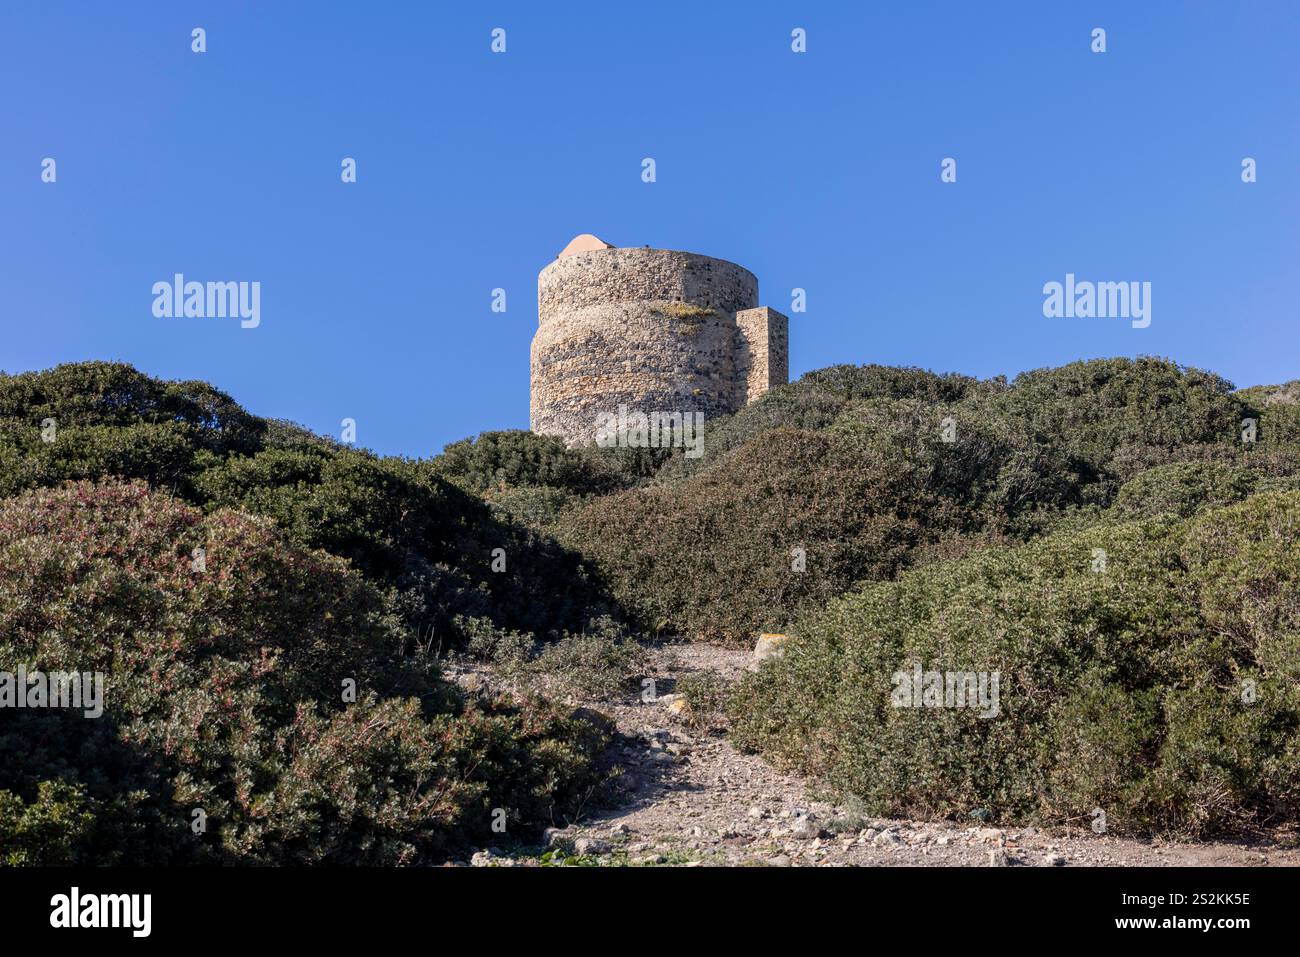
229	654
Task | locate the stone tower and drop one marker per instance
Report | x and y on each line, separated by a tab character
652	330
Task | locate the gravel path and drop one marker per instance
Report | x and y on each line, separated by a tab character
688	798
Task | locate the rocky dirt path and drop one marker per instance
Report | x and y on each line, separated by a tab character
688	798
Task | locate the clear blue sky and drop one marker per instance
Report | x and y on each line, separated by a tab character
818	170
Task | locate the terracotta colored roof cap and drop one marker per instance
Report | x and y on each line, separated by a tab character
584	243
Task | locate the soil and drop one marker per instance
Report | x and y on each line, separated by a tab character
686	797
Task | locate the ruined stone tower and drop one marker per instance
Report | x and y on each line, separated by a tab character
654	330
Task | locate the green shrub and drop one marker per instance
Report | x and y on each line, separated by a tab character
1279	423
87	395
713	556
794	406
225	691
426	543
599	663
706	695
47	831
1183	489
538	507
896	382
428	540
1123	689
1162	690
872	470
989	464
817	400
497	464
514	459
1122	416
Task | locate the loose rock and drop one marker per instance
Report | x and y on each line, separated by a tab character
590	845
804	829
770	646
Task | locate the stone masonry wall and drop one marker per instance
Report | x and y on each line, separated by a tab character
762	352
651	329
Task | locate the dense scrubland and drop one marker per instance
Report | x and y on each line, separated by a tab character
880	516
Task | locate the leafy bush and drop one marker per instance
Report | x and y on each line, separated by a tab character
1123	689
1122	416
1280	417
706	696
88	395
538	507
513	459
1161	689
428	544
816	401
896	382
1183	489
992	465
785	407
601	662
714	556
226	671
872	470
46	832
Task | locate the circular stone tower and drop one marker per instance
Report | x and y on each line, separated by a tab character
648	330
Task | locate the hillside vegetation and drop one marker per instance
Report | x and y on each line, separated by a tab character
1114	538
321	565
1161	688
427	544
853	467
225	695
